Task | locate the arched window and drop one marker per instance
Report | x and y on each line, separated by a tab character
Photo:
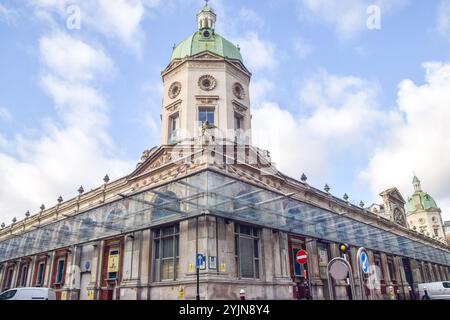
87	228
63	235
165	205
29	243
115	220
46	237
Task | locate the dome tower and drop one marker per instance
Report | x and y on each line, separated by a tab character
424	215
206	89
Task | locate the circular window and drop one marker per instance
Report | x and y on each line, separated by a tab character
174	90
207	82
206	34
422	220
434	219
239	91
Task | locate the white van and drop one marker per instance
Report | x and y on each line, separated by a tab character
28	294
436	290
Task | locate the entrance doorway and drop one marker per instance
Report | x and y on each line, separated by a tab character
299	273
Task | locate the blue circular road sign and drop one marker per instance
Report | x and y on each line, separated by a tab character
364	262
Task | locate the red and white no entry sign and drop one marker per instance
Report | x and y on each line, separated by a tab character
302	256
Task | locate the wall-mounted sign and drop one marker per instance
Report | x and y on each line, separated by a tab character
181	294
191	267
212	265
113	261
222	267
201	263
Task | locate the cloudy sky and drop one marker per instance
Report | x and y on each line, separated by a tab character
355	107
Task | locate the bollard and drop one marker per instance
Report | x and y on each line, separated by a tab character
242	294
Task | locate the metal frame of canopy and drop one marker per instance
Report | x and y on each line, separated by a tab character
217	194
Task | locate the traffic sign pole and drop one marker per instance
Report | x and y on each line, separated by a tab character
363	268
302	259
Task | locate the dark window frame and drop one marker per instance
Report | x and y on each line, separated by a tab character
160	236
253	234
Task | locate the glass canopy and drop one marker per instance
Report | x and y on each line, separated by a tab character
214	194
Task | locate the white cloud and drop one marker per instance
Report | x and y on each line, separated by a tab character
7	15
258	54
443	19
347	17
420	142
334	123
74	149
5	115
73	59
260	88
119	20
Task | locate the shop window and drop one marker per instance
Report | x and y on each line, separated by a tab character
247	251
60	271
9	278
23	276
391	270
40	274
166	253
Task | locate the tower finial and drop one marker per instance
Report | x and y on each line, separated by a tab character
416	183
206	18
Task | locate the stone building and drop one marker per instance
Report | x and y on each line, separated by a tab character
424	215
447	230
207	190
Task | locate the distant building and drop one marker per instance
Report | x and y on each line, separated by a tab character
447	230
393	207
424	215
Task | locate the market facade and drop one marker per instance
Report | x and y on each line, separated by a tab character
207	190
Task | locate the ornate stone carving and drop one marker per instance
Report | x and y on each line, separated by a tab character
238	91
207	82
174	90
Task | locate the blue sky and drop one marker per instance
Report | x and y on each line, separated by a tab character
358	109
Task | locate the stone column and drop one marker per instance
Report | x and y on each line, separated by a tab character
376	290
146	262
15	274
401	278
359	292
387	278
31	271
74	284
96	270
48	270
2	273
314	271
130	284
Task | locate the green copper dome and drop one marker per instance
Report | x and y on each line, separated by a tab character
214	43
206	39
421	201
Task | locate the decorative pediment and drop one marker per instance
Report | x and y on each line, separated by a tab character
239	107
207	99
393	193
174	106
